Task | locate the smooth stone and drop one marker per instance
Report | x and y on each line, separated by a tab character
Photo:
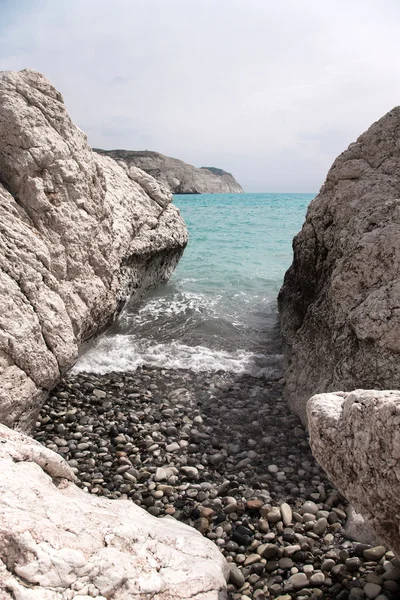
353	563
286	513
254	504
372	590
309	507
201	524
391	573
251	559
298	581
375	553
230	508
285	563
263	525
190	472
317	579
290	550
161	474
328	564
235	575
174	447
308	517
274	515
216	459
206	512
320	526
271	551
391	586
356	594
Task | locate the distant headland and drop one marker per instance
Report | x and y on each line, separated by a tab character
178	176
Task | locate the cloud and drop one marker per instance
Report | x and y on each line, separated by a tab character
271	91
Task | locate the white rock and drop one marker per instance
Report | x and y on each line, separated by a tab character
286	513
79	234
61	542
160	474
355	437
173	447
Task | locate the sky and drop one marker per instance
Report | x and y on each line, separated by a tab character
270	90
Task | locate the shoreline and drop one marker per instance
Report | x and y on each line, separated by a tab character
222	453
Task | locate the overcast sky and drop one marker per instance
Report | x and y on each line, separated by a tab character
271	90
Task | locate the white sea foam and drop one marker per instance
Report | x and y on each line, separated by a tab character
126	353
170	306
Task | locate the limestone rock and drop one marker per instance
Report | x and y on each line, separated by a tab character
60	543
355	437
339	305
177	175
78	235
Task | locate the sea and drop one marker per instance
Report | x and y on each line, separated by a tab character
218	312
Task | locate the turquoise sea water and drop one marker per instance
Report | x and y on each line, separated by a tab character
218	311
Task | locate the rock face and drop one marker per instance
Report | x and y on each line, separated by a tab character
177	175
59	543
339	305
78	235
356	438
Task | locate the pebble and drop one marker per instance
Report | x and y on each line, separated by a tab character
213	451
375	553
286	513
273	515
317	578
298	581
320	526
236	575
372	590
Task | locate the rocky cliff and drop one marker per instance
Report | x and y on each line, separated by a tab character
79	233
340	302
177	175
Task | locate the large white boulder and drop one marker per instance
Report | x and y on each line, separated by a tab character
355	437
58	542
78	234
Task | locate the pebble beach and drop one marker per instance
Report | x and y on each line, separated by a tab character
222	453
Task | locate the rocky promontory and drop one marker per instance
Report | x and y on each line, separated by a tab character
176	175
79	235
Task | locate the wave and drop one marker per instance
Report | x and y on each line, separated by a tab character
127	353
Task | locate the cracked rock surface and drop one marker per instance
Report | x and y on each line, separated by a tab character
92	547
355	437
78	234
340	302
